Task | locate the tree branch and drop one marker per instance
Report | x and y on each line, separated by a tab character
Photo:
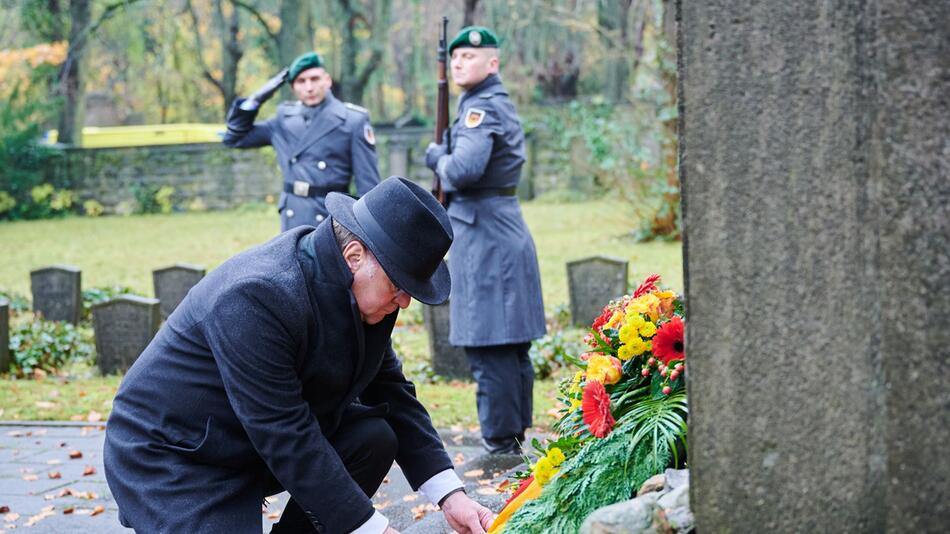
205	71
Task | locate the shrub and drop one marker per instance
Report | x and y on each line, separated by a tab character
153	198
18	303
48	345
92	208
24	191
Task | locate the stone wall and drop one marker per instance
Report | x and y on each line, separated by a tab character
215	177
816	183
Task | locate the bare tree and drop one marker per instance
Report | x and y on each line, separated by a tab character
470	7
351	82
227	27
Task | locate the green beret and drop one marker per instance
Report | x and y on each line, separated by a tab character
306	61
474	37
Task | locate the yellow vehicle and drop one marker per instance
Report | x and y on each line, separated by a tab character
146	135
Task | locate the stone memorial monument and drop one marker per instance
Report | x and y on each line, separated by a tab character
171	284
57	293
124	326
4	336
447	360
592	283
815	171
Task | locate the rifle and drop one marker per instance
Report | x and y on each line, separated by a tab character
442	110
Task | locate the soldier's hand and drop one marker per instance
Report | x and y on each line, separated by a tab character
268	89
433	153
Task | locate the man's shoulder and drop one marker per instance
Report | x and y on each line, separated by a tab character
353	107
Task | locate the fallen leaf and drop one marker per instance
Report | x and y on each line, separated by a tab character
89	470
484	481
62	444
54	461
4	509
474	473
15	433
39	374
94	416
418	512
459	459
381	505
504	485
68	510
457	439
97	510
411	497
386	480
11	517
275	515
30	478
49	496
45	405
77	417
482	490
73	455
82	393
54	475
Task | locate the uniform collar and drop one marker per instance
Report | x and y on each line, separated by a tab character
485	85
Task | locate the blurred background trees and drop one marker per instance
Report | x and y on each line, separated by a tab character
595	78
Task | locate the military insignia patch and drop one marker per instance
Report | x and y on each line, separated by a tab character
475	38
369	134
474	117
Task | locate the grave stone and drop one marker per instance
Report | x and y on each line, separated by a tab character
124	326
171	284
57	292
592	283
814	143
447	360
4	335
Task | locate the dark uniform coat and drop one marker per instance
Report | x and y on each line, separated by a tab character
323	150
245	383
496	286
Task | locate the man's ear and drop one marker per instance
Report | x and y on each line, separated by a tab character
353	255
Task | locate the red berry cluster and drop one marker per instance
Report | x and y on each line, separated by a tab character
669	372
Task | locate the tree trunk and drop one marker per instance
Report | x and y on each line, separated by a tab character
228	29
667	222
469	18
613	19
293	38
351	83
71	87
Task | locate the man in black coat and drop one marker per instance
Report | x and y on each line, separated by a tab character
277	372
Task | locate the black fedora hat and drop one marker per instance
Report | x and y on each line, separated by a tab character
407	230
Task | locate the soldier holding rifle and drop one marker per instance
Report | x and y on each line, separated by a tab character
495	304
320	142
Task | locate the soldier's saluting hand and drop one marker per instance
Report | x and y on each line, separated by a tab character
322	144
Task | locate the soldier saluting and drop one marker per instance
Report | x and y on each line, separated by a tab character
321	143
495	304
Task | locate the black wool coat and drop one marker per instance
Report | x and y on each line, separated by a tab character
244	384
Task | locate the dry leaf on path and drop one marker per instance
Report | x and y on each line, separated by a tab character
54	461
275	515
474	473
54	475
73	455
30	478
11	517
89	470
97	510
459	459
4	509
411	497
68	510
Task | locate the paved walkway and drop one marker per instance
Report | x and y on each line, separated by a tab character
52	480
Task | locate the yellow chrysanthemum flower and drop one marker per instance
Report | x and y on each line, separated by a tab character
575	404
638	347
575	388
556	456
664	294
635	320
648	329
627	331
625	352
544	471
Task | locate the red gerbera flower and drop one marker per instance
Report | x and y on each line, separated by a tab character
596	406
668	341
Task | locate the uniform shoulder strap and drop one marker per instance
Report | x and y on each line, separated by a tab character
354	107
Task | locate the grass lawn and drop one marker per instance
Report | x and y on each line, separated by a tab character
124	251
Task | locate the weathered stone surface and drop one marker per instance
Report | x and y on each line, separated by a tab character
815	166
654	483
4	335
629	517
447	360
592	283
57	292
675	478
124	326
171	284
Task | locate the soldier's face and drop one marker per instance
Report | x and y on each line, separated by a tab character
472	65
311	86
376	295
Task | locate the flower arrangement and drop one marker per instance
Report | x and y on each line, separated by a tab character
623	418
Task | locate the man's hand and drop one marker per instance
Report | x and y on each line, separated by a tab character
465	515
269	88
433	153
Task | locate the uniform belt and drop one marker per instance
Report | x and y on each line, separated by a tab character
304	189
483	193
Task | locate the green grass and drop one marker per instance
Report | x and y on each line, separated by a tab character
124	251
